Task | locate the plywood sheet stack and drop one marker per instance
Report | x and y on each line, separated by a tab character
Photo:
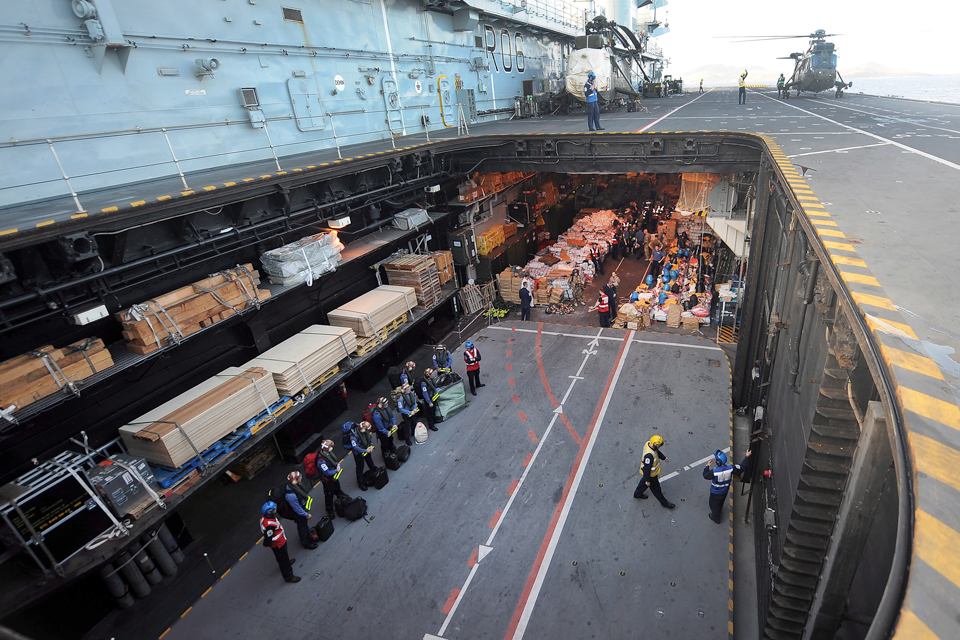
374	310
156	323
27	378
419	272
300	360
444	262
206	413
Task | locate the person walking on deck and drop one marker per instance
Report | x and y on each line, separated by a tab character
650	469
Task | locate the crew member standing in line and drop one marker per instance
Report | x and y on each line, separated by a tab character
358	440
408	408
406	376
720	477
429	394
298	500
386	424
593	107
471	356
742	97
274	538
525	300
329	470
442	360
603	306
651	472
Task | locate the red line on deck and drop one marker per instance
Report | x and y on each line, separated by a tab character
516	398
496	518
527	460
513	487
532	435
546	385
528	587
509	353
473	558
510	341
509	366
511	381
523	416
450	601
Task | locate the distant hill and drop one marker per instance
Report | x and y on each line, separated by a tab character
876	70
722	75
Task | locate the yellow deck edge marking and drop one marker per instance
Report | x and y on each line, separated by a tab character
842	246
243	556
853	262
933	408
891	327
266	176
46	224
186	612
831	233
109	209
815	205
935	459
311	166
8	232
913	362
938	545
822	214
873	301
164	633
186	193
162	198
807	198
209	589
138	203
78	215
226	572
860	278
911	627
229	184
249	179
210	188
825	223
281	173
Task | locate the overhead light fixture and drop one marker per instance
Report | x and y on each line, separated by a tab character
339	223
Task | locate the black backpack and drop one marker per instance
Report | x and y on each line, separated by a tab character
393	376
279	495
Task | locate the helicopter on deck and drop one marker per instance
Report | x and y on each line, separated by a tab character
815	70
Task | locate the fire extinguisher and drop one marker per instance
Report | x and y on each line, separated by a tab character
343	390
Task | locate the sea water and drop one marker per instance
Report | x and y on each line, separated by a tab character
933	88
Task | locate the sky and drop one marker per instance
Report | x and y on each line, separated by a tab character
911	36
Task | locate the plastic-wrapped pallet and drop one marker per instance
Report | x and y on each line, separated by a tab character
411	218
303	260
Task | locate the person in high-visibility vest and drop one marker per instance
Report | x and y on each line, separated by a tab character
471	357
650	469
298	499
428	394
603	306
329	468
276	540
742	97
701	85
720	477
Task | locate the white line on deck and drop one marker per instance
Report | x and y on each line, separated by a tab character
929	156
568	502
865	146
600	337
699	462
667	115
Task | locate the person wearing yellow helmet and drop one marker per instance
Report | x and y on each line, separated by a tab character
650	468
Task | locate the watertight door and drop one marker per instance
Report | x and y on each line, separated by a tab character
307	108
391	99
445	91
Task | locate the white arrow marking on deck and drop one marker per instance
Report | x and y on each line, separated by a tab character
568	502
487	548
589	352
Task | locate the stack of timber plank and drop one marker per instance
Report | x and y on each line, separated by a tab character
419	272
307	357
154	324
206	413
27	378
374	310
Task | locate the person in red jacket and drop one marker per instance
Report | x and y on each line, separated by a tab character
603	306
274	538
471	356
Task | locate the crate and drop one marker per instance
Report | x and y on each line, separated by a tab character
509	229
691	324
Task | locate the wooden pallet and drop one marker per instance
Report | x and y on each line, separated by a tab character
366	345
322	380
472	301
419	272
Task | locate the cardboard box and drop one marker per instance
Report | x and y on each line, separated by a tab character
691	324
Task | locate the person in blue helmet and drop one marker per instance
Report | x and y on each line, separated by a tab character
593	107
720	477
471	357
276	540
358	439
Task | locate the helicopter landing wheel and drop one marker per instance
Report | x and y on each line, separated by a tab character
839	94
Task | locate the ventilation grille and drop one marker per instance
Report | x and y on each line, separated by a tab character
293	15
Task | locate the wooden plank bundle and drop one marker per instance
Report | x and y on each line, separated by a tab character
374	310
444	262
165	319
419	272
44	371
206	413
510	286
303	358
